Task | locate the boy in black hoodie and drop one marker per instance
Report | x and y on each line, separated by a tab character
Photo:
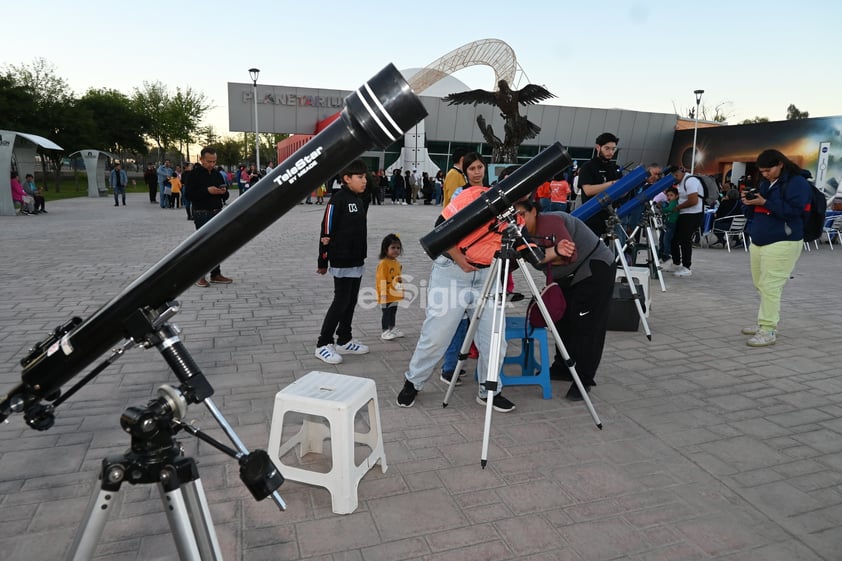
342	250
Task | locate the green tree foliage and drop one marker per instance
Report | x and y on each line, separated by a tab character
54	115
229	151
153	100
173	119
792	113
186	110
119	125
16	105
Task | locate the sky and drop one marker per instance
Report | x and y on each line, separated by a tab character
751	59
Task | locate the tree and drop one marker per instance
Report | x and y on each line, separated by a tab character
153	101
792	113
186	110
755	120
229	151
119	126
54	116
173	118
16	105
720	112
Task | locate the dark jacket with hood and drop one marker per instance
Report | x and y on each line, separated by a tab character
344	223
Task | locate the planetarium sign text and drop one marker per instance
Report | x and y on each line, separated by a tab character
295	100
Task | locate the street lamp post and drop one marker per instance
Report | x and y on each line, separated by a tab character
254	73
695	129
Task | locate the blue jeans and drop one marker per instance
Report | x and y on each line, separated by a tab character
450	293
163	200
666	239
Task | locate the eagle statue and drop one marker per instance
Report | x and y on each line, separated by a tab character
517	128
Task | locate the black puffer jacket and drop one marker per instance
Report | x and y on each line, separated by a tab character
344	223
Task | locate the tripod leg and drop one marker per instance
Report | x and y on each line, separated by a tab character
87	537
632	288
498	333
197	508
187	511
179	520
653	251
472	329
536	294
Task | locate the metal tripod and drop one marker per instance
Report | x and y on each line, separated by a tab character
649	221
611	236
499	270
155	457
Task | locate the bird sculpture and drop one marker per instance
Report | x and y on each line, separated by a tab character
516	128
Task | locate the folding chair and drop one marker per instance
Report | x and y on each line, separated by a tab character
833	227
731	226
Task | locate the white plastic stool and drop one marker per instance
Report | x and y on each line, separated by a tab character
337	398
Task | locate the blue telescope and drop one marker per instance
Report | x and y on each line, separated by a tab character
614	193
641	198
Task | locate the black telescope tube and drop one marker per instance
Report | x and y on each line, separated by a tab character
496	200
377	114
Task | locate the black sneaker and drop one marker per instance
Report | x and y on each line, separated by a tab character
447	376
499	403
407	396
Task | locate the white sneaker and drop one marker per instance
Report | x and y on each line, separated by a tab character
388	335
397	332
752	330
352	347
328	354
762	338
682	272
667	266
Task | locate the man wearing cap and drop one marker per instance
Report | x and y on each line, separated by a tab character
598	174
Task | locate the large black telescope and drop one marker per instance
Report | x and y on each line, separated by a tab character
497	200
377	114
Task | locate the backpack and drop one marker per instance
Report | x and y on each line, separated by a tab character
814	213
710	188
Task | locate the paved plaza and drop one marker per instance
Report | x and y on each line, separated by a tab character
711	450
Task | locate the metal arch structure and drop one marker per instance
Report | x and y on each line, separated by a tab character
489	52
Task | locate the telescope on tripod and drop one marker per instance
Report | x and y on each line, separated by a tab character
375	115
494	210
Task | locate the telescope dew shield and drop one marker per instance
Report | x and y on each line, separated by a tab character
377	114
496	200
605	199
646	195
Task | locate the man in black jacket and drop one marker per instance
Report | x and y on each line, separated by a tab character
342	248
206	191
598	174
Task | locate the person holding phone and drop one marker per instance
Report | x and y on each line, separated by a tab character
207	193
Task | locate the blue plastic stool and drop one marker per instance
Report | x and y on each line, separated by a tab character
533	372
